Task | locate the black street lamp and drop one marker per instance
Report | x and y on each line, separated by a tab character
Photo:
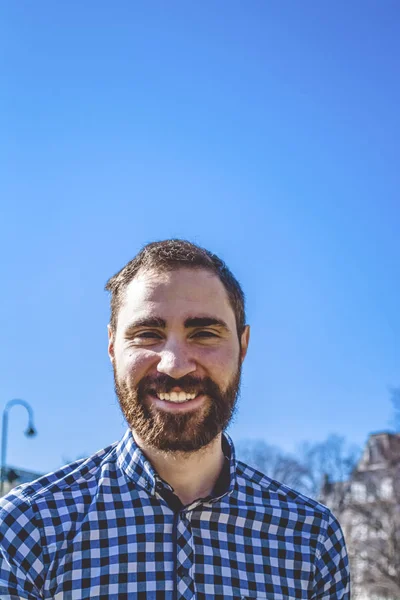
30	432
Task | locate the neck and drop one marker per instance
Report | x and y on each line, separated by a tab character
192	475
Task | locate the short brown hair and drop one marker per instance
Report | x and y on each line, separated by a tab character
173	254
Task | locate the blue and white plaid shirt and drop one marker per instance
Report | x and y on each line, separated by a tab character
109	528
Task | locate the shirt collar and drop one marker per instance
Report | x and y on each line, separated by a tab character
138	468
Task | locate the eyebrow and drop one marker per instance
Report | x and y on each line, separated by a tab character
147	322
189	323
205	322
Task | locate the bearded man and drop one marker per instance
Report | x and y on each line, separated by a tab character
168	512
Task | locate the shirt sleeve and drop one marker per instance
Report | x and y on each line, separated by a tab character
21	565
332	576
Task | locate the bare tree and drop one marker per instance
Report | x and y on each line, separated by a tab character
329	465
315	466
274	462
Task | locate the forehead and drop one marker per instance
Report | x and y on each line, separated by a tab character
176	295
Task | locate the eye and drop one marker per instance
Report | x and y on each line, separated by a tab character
146	335
205	334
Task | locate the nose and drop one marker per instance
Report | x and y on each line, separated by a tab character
176	361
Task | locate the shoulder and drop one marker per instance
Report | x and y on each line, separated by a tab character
260	489
26	501
36	514
68	476
308	524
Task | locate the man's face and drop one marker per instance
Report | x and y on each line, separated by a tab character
176	358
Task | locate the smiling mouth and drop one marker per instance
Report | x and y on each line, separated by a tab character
175	397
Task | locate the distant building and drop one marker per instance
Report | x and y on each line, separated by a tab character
368	507
15	476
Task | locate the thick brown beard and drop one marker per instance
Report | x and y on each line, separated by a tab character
186	432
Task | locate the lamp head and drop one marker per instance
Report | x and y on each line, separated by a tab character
31	431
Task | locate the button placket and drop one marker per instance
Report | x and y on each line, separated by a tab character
185	557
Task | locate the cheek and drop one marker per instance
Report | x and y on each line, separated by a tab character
134	365
223	364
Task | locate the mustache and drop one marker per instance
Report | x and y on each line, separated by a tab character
189	384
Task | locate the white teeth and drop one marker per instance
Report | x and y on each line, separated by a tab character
177	397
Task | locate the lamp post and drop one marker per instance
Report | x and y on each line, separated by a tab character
30	432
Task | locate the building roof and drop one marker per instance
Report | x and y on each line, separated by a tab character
381	451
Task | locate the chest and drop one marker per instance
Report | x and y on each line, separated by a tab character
195	555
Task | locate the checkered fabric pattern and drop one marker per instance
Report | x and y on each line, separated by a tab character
103	528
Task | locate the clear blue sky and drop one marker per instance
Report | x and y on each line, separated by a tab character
266	131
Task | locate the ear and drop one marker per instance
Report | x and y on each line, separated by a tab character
244	340
110	342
